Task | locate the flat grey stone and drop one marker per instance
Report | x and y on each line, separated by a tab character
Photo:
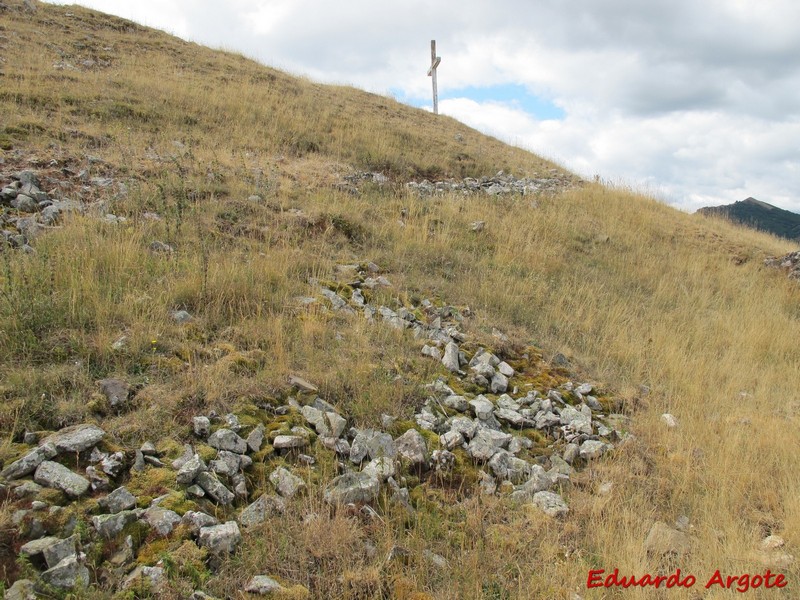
352	487
116	392
225	439
196	520
117	501
373	444
411	447
28	463
109	526
550	504
161	520
450	360
190	470
257	512
380	468
76	438
289	441
54	475
220	539
261	584
215	488
67	574
256	438
286	482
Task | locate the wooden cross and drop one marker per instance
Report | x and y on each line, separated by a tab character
435	60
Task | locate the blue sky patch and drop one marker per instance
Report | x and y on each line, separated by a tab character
512	94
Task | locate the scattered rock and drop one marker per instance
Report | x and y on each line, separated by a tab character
258	511
220	539
550	504
285	482
75	439
412	448
225	439
117	501
352	487
55	475
261	584
664	540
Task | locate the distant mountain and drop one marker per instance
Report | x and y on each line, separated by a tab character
759	215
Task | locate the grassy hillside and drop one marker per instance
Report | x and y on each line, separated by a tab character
759	215
659	310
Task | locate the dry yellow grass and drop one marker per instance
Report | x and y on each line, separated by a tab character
634	292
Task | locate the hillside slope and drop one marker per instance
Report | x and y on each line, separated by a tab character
758	215
202	251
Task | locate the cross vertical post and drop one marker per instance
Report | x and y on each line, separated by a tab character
435	60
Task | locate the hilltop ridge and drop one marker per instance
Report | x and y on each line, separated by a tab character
758	215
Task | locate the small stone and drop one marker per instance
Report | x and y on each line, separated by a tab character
109	526
215	488
116	392
486	443
455	402
451	439
289	441
411	447
117	501
302	385
592	449
22	589
190	470
187	455
505	369
285	482
352	488
432	351
153	576
55	475
256	438
163	521
201	426
196	520
550	504
257	512
442	461
499	383
381	468
571	453
451	360
482	408
76	438
261	584
67	574
225	439
220	539
180	316
669	420
664	540
373	444
149	449
28	463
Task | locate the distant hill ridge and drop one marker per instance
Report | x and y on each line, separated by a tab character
759	215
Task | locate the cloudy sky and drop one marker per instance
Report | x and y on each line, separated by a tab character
694	101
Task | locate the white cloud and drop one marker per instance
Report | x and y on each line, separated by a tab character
698	100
